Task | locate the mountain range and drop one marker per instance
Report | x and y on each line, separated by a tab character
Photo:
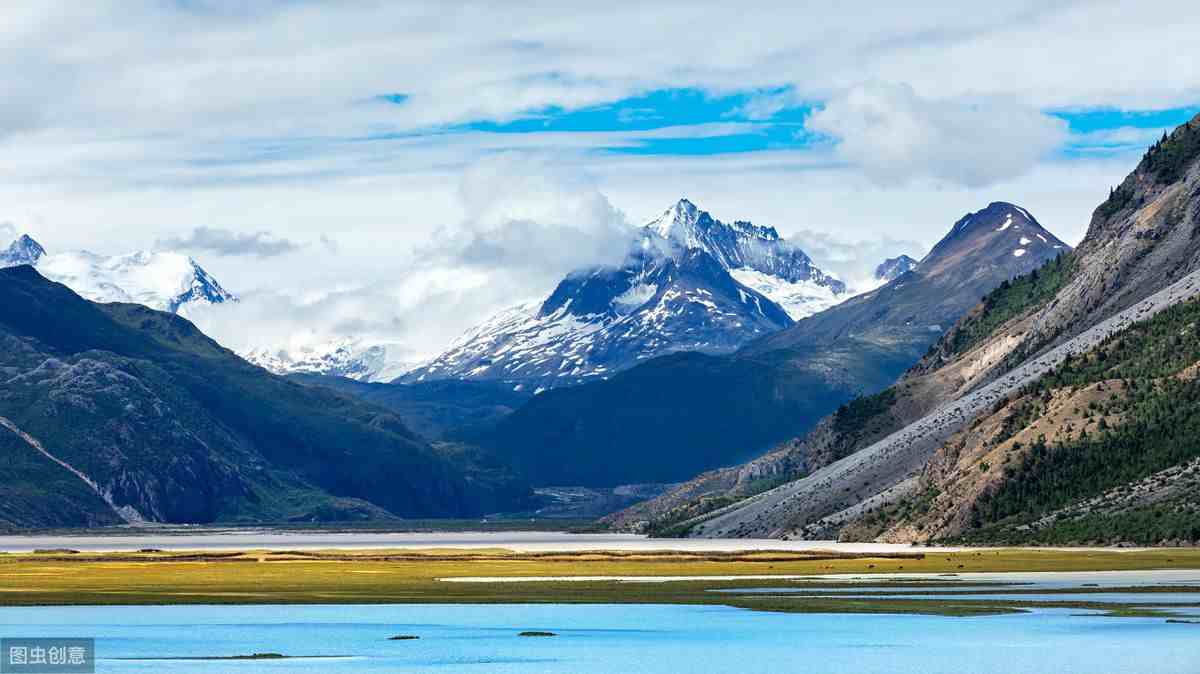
691	283
161	280
140	417
1003	389
1060	409
674	416
349	357
173	282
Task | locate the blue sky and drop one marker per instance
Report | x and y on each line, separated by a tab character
783	129
667	108
1109	130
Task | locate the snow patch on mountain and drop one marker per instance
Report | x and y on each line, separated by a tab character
160	280
691	283
173	282
23	250
737	245
798	299
342	357
634	297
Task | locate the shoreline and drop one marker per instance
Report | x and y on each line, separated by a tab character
230	540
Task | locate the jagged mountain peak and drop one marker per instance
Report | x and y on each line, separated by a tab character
23	250
597	323
895	267
685	224
682	215
740	246
692	283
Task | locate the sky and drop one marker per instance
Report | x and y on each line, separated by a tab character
398	171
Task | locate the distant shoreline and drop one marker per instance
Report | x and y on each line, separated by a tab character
268	538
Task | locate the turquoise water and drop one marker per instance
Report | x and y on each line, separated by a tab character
594	639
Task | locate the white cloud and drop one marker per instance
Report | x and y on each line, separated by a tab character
853	261
8	232
765	105
527	223
526	215
161	70
225	242
895	136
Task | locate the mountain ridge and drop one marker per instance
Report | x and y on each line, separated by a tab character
177	428
733	407
692	283
161	280
916	476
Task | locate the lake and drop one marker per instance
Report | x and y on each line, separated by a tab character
607	638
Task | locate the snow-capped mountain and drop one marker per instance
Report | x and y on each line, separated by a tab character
24	250
344	357
174	282
693	283
160	280
756	256
894	267
740	245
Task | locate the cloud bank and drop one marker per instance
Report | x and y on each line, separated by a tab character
527	224
895	136
853	261
230	243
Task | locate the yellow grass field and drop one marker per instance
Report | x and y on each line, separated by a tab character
395	576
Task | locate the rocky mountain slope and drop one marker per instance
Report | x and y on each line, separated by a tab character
894	267
445	409
885	471
164	281
675	416
692	283
159	423
1056	390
